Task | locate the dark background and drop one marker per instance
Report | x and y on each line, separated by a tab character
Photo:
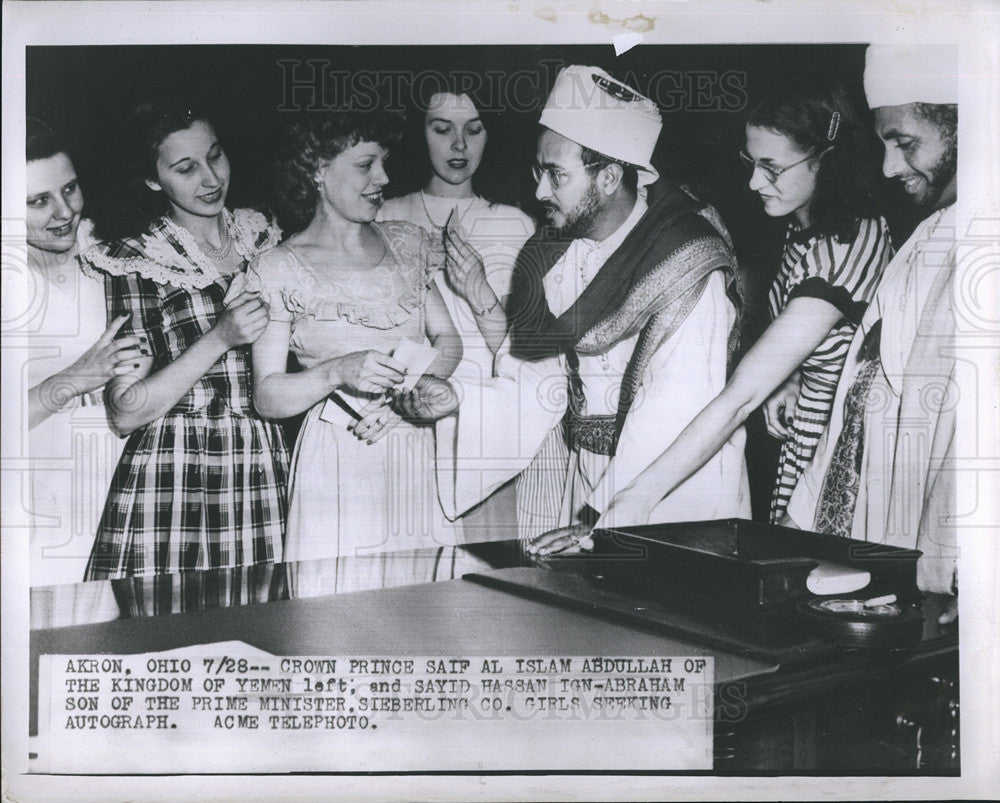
704	93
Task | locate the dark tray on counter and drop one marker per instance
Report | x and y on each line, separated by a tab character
741	566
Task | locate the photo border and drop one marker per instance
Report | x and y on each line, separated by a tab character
972	25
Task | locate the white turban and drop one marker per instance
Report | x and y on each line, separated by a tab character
591	108
896	75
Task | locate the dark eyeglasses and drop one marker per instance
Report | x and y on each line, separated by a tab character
773	172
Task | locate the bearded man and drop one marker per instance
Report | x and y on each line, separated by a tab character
632	290
884	469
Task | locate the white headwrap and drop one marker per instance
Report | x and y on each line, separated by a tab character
896	75
591	108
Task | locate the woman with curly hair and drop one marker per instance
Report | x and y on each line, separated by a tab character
345	294
201	482
813	164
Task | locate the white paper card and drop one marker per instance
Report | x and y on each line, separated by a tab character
334	414
417	357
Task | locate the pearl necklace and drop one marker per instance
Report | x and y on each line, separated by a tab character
217	253
223	250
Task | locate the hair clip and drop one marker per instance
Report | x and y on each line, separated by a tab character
831	132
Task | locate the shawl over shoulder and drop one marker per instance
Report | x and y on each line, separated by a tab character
648	287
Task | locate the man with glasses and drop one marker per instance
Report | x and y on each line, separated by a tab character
632	291
881	472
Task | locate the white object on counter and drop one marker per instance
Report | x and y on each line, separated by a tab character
833	578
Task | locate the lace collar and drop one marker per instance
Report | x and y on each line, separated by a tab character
168	254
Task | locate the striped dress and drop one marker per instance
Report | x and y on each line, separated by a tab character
202	487
845	274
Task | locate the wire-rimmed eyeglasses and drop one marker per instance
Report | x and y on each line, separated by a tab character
773	172
557	175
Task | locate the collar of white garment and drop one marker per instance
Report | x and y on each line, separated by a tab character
946	218
925	236
904	289
611	243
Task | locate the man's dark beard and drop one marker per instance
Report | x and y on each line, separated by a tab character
581	223
941	175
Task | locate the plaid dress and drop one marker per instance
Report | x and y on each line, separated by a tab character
204	486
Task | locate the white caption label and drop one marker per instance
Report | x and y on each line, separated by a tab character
232	708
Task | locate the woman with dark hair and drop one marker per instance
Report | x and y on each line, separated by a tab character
475	240
201	483
475	244
836	247
813	164
66	315
56	234
345	295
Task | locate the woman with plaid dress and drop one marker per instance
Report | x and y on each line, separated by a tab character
201	482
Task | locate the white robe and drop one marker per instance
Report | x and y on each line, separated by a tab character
526	401
909	421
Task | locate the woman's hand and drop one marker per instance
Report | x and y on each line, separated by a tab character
466	272
107	358
779	409
630	507
432	398
564	541
243	321
377	419
367	373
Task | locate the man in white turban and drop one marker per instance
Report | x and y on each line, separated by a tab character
883	471
632	291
